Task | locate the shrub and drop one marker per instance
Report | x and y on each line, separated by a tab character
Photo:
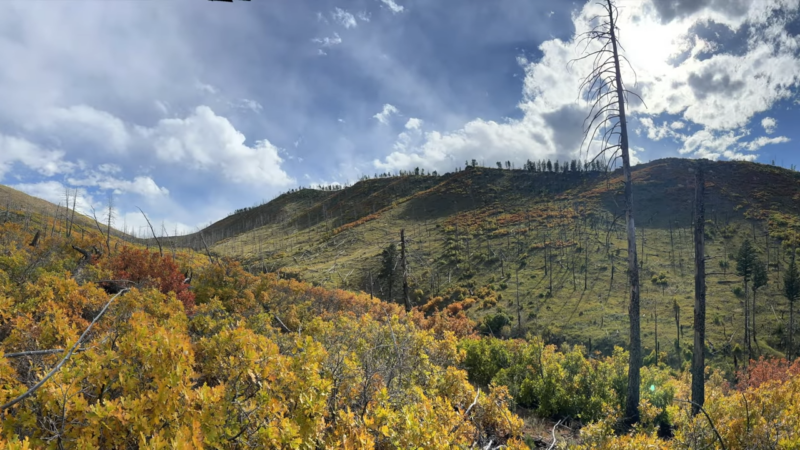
149	269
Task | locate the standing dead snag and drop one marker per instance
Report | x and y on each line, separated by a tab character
698	354
160	250
606	122
404	266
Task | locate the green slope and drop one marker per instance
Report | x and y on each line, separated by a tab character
469	231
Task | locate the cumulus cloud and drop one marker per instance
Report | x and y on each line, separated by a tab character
393	6
14	150
141	185
207	142
83	124
328	41
250	104
54	192
762	141
344	18
414	123
769	124
684	72
109	168
383	116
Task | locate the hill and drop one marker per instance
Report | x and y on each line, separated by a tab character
18	206
483	237
224	358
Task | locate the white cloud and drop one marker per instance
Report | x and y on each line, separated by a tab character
83	123
394	7
206	88
109	168
383	116
247	103
344	18
762	141
363	16
208	142
54	192
141	185
414	123
719	94
45	162
328	41
769	124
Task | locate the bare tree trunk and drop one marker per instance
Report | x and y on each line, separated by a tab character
519	308
160	250
655	316
404	265
607	120
635	362
110	219
698	354
72	217
747	346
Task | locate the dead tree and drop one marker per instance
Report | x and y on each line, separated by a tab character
35	238
110	218
606	121
698	354
160	250
404	265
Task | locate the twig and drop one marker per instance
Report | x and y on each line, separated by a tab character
711	422
552	445
160	251
466	413
282	324
206	246
39	352
65	358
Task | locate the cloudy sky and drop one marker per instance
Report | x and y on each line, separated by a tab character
190	109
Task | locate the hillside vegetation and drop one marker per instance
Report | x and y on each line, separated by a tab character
129	348
523	250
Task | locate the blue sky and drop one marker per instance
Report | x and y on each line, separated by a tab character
190	109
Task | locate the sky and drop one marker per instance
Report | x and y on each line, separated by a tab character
190	109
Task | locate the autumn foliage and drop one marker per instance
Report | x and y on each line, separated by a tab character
262	362
255	361
148	269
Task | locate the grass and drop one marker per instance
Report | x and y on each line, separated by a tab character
459	227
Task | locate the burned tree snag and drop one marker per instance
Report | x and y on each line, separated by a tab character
404	265
698	354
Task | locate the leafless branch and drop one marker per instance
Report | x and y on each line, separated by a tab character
160	250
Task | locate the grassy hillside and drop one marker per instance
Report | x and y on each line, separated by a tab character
20	207
554	239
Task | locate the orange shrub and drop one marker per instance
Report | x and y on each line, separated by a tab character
149	269
766	370
455	308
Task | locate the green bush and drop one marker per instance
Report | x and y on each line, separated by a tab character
561	383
